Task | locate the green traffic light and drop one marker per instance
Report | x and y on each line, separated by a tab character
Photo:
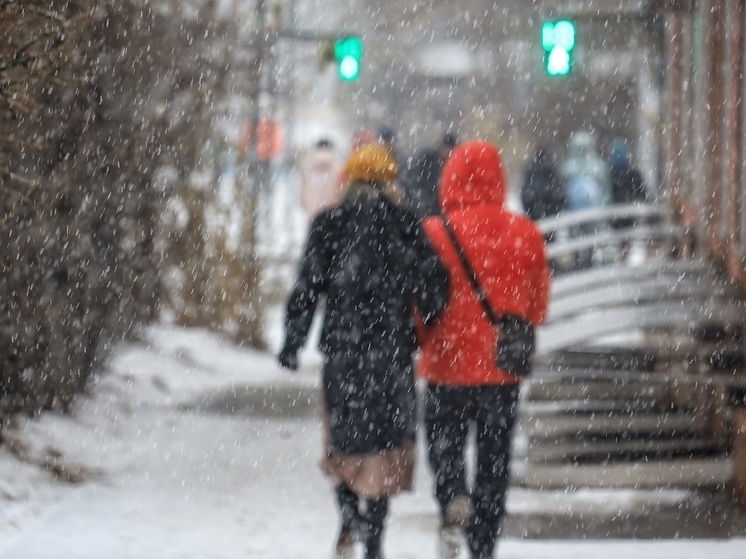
349	69
564	35
558	41
348	52
558	62
547	35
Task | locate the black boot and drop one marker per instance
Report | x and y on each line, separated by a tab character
375	516
349	531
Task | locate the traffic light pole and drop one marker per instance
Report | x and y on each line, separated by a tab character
294	36
263	43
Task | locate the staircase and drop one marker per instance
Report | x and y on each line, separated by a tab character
637	368
617	430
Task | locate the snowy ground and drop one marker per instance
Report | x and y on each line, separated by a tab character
187	447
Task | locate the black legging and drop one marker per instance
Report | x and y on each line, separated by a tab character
369	523
449	413
349	508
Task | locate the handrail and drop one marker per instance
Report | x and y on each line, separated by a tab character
606	213
612	237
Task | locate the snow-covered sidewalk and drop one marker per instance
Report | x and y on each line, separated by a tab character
188	447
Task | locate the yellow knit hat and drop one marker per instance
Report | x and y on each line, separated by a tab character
371	163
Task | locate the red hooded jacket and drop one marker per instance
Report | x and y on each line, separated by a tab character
507	253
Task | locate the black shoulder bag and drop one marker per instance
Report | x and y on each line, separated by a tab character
515	341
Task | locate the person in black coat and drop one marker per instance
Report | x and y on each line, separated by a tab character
542	192
422	181
373	264
627	186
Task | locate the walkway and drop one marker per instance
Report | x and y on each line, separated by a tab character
190	448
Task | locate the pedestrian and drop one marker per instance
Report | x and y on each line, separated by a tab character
387	139
584	193
318	178
371	261
583	160
588	186
361	137
422	181
542	191
464	386
627	186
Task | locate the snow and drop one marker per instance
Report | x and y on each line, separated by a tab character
187	446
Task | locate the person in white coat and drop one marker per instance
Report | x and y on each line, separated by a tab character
319	178
587	186
584	161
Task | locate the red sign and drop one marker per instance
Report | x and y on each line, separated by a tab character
270	142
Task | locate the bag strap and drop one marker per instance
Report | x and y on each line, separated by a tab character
478	289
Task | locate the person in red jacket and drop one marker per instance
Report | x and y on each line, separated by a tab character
457	356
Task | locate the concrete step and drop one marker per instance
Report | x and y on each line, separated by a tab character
547	388
710	356
535	408
703	472
634	424
608	358
600	323
553	451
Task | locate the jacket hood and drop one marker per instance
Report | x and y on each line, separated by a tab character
581	145
473	174
620	154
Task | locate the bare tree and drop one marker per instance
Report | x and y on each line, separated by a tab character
96	99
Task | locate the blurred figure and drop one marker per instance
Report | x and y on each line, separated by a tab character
467	394
387	139
542	192
421	183
583	161
319	187
360	138
372	263
627	186
587	186
583	193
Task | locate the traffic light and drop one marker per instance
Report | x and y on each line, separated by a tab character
348	51
558	42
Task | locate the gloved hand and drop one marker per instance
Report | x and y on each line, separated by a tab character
288	359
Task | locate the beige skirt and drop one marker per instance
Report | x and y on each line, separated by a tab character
380	474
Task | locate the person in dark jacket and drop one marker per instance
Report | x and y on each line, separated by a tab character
422	181
387	139
372	262
627	186
542	191
466	391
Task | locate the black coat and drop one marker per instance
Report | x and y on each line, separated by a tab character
373	263
627	185
543	192
421	184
